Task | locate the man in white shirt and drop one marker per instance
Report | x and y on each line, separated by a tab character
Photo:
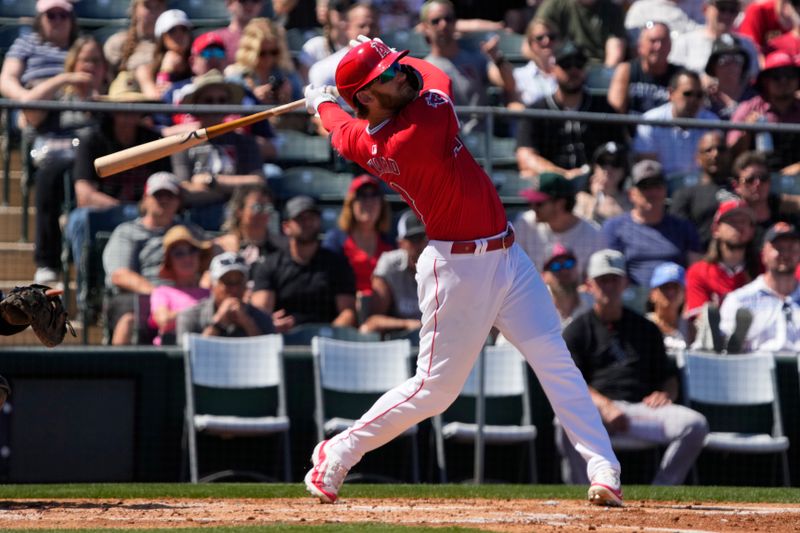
773	298
550	221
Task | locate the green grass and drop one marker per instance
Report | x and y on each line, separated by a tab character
248	490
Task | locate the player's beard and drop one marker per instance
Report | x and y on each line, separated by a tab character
396	102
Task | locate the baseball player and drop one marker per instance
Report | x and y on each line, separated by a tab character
471	276
40	308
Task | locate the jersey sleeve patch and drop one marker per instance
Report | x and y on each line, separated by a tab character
435	99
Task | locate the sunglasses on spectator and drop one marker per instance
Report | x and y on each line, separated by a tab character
183	251
57	14
693	94
564	264
274	52
782	74
718	147
761	178
730	9
259	209
228	261
367	195
213	52
571	63
448	19
389	74
730	59
549	36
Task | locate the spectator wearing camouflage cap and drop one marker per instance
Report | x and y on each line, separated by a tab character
550	220
648	235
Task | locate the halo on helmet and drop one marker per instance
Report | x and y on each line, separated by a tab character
361	65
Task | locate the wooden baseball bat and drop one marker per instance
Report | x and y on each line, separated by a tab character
144	153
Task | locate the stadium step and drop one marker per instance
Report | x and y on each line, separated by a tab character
16	259
11	223
28	337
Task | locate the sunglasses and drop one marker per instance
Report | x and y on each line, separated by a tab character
571	63
448	19
259	209
227	261
389	74
549	36
693	94
368	195
213	52
180	252
274	52
213	101
57	14
564	264
719	148
782	74
730	59
762	178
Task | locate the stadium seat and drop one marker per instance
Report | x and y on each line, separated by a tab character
235	387
322	184
302	335
11	11
203	13
95	13
409	40
348	378
737	382
502	405
296	148
598	78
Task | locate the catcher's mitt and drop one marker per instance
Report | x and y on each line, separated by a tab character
31	305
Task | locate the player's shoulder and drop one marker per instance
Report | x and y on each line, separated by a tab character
435	99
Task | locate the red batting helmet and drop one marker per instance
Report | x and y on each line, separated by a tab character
361	65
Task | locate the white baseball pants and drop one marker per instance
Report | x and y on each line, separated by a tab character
461	297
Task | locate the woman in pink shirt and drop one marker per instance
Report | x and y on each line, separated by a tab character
185	260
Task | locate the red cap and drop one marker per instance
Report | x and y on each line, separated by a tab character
729	206
205	40
775	60
362	180
361	65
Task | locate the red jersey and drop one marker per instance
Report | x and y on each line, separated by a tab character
710	282
362	263
419	154
760	23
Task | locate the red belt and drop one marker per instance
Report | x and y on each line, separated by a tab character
469	247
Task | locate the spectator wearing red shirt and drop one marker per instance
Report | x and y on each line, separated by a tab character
765	20
788	42
732	259
362	233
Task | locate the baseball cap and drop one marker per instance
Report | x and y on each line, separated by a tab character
779	230
605	262
558	251
170	19
43	6
409	225
610	151
774	61
551	185
732	206
227	262
667	272
299	204
726	44
162	181
645	170
361	181
567	51
205	40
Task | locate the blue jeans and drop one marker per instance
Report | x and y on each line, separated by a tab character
85	222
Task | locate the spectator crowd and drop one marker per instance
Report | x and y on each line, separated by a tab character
650	238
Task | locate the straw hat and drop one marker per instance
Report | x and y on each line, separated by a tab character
124	89
178	234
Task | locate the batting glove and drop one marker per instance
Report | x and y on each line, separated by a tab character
317	95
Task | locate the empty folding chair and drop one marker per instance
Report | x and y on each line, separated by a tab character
237	367
349	376
737	381
505	402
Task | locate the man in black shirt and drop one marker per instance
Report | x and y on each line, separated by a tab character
631	380
560	146
305	283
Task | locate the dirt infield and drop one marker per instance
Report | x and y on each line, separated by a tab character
489	515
